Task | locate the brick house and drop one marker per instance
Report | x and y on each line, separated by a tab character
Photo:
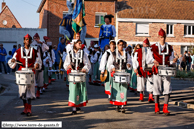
51	13
144	18
134	20
7	19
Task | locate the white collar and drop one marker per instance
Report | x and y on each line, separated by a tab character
159	49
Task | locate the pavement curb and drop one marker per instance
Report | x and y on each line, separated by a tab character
183	104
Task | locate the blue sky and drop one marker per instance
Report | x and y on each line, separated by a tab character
25	11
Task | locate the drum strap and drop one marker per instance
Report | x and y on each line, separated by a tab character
71	58
98	56
108	54
114	63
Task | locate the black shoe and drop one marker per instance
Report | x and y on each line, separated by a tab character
78	109
29	114
22	113
151	101
74	112
123	110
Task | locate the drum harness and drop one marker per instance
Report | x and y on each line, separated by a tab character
163	54
26	57
26	62
120	58
76	58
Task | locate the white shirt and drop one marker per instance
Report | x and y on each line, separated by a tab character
151	58
48	56
86	61
94	58
43	46
111	59
148	58
104	60
64	56
38	59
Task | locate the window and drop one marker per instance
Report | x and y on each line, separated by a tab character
65	13
169	30
183	49
99	19
13	26
142	29
189	30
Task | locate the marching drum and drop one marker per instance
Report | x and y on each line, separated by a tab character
123	78
149	67
24	77
166	71
76	77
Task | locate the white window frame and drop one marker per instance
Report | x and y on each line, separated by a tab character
170	35
188	35
141	35
65	12
99	14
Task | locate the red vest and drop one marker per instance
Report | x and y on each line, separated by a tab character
23	61
159	58
141	72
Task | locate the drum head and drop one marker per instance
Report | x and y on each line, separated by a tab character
77	74
122	74
104	76
23	71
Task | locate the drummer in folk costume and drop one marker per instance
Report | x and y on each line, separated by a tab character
39	73
157	57
23	55
48	61
41	48
107	32
133	83
95	60
90	54
139	65
65	52
129	50
77	91
49	44
103	67
114	64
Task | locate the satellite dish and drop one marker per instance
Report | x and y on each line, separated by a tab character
4	22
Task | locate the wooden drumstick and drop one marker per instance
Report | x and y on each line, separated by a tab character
18	63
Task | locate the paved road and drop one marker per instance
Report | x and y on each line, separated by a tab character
53	106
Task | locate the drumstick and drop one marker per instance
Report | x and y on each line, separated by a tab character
19	63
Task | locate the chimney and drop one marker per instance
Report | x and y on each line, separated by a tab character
3	5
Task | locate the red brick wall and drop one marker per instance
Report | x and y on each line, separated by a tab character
8	16
43	16
52	14
55	15
127	31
